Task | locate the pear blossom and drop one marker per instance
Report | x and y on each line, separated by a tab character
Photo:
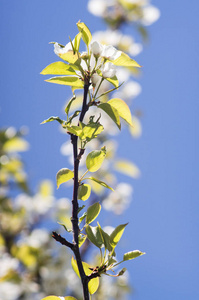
61	50
96	48
150	15
110	52
108	70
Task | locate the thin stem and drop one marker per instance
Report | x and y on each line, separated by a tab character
83	176
74	219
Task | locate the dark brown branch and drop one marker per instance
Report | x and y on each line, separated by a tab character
62	240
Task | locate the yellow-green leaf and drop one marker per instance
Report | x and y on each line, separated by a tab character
132	254
86	34
93	283
128	168
122	109
92	212
95	159
94	235
84	191
64	175
117	234
101	183
58	68
73	81
69	56
81	239
125	61
77	40
112	112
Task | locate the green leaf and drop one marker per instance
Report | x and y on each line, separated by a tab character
106	240
76	130
93	283
95	159
77	40
62	224
111	112
91	131
84	191
125	61
92	212
70	57
59	298
132	254
58	68
93	234
101	183
73	81
82	217
64	175
53	119
67	109
122	109
117	234
80	208
86	34
128	168
81	239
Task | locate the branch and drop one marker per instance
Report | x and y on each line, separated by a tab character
62	240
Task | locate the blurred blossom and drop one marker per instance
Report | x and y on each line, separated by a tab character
37	238
7	264
150	15
98	7
9	290
108	229
119	200
128	91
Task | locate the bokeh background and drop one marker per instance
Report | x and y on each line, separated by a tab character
163	216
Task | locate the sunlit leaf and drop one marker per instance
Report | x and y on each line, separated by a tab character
58	68
127	167
81	239
125	61
94	235
92	212
53	119
70	57
73	81
95	159
117	234
122	109
91	131
112	112
77	40
100	182
132	254
64	175
67	109
86	34
84	191
106	240
93	283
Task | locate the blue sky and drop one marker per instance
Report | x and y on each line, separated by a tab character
164	212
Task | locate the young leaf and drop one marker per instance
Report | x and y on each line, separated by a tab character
67	109
64	175
94	235
93	283
125	61
92	212
70	57
128	168
86	34
81	239
77	40
58	68
91	131
73	81
117	234
95	159
122	109
132	254
101	183
82	217
84	191
53	119
106	240
111	112
68	230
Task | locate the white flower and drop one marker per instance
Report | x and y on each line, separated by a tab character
110	52
108	70
95	79
61	50
150	15
97	7
96	48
